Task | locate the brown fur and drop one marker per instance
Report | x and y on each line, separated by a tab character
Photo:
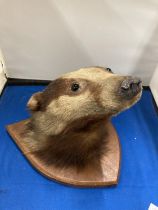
58	88
69	128
80	143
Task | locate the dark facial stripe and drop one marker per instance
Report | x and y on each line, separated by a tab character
62	87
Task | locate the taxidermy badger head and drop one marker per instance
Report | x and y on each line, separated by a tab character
68	123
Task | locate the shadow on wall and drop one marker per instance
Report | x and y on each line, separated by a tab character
148	59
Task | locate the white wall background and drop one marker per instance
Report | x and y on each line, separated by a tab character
2	73
154	85
41	39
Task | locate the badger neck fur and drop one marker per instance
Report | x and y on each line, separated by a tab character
80	143
68	123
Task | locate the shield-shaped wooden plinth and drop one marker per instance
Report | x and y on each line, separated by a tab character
97	175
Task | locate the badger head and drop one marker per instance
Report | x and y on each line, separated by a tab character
88	93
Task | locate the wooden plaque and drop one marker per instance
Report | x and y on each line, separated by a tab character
104	174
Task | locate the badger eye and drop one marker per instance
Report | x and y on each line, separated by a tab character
109	70
75	87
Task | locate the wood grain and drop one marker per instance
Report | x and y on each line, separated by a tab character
103	174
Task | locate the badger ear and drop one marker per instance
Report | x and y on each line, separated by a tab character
34	102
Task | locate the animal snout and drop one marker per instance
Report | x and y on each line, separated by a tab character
131	87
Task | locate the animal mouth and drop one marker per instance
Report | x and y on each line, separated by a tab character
130	87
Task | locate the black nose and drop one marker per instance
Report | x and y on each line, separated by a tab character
130	83
131	86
